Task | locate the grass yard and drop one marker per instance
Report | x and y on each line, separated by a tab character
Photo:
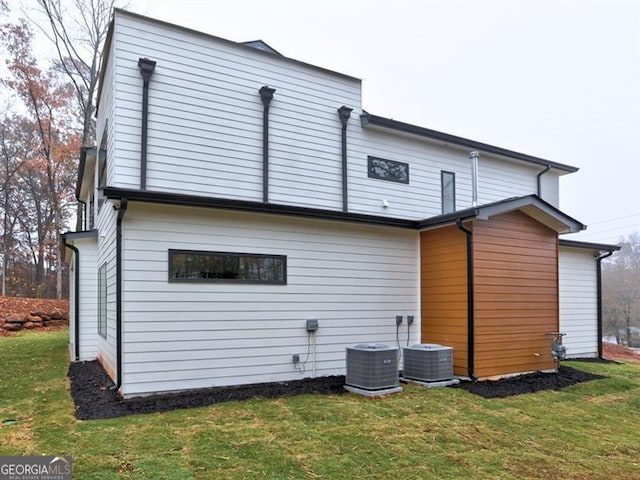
588	431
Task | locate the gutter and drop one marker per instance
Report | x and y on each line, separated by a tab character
539	179
146	70
470	301
375	120
121	211
599	259
76	298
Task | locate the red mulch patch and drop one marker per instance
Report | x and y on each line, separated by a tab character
619	352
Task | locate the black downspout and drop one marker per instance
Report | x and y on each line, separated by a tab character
76	297
146	70
266	94
470	301
344	113
599	259
121	211
539	179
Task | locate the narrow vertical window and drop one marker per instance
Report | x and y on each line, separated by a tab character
102	301
448	184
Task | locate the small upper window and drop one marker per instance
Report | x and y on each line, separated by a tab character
388	170
448	184
102	300
102	158
224	267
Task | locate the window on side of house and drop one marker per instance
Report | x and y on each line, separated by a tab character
448	185
389	170
102	300
226	267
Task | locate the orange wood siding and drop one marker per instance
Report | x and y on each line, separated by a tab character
443	270
516	294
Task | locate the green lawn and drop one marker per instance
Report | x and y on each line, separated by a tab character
587	431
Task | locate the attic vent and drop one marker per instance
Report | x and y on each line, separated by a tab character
428	362
372	366
260	45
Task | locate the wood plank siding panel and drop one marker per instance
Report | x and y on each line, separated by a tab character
579	301
443	291
353	279
516	294
205	118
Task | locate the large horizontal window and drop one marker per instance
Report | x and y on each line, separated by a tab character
224	267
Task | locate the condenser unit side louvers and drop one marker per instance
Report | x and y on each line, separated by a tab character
372	366
428	362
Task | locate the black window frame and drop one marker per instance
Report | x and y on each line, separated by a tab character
102	300
372	174
172	279
442	191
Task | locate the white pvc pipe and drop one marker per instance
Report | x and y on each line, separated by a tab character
474	178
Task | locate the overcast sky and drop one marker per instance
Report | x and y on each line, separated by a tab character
551	78
555	79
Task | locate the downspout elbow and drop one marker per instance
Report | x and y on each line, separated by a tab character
539	179
470	301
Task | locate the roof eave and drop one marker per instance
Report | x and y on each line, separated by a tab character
164	198
601	247
531	205
375	120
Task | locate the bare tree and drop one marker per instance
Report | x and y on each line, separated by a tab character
621	289
78	30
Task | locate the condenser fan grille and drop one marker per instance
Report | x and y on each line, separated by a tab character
372	366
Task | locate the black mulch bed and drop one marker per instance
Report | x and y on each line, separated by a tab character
94	400
530	383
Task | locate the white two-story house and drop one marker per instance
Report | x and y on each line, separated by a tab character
246	220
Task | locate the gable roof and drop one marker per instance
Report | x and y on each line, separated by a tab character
530	205
388	123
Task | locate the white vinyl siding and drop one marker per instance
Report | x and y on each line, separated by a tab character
106	348
205	118
353	279
578	301
87	299
499	178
